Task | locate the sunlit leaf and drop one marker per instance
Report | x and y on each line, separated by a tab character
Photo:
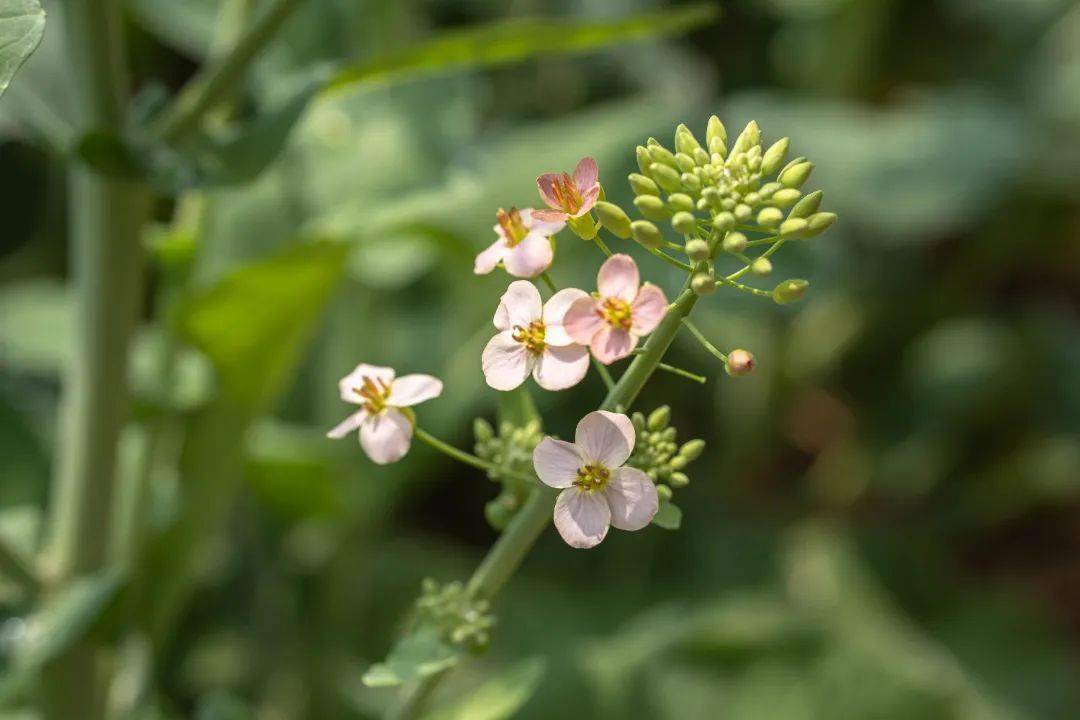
22	23
669	516
418	655
499	698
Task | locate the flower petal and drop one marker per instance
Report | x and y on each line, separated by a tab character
648	309
413	390
611	344
581	517
546	185
588	201
347	385
506	362
538	224
386	437
555	310
551	216
586	174
347	425
631	496
605	437
487	259
556	462
530	257
559	368
519	305
618	277
582	321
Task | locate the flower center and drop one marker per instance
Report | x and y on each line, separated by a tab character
512	225
592	477
616	312
375	392
531	336
566	193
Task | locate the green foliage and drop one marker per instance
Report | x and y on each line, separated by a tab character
22	23
417	656
499	698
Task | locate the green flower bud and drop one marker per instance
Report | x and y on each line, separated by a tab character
739	362
659	418
796	175
662	155
666	177
685	162
766	191
716	136
638	421
807	206
703	284
734	242
819	223
723	221
482	430
646	234
685	142
790	291
692	450
684	223
792	227
711	196
785	197
680	201
678	479
770	161
701	156
770	217
748	138
613	218
728	204
677	463
742	212
652	207
643	159
751	199
697	250
691	182
761	267
642	185
663	492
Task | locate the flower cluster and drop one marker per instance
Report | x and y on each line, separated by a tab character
458	618
658	453
510	454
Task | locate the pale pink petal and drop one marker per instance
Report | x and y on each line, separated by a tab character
506	362
586	174
546	185
618	277
648	309
519	305
559	368
611	344
551	216
581	517
386	437
538	224
413	390
348	385
486	260
588	201
530	257
605	437
555	310
347	425
556	462
582	321
631	495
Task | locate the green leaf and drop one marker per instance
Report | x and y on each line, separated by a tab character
499	698
669	516
417	656
510	41
254	323
22	23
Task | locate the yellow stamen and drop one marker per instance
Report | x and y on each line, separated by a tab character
531	336
512	225
592	477
375	393
616	312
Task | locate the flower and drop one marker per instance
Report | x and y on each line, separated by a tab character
385	428
612	323
532	339
524	244
569	197
597	490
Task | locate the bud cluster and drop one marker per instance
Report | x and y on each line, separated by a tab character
511	449
657	453
459	619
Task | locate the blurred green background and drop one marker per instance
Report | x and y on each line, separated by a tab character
886	523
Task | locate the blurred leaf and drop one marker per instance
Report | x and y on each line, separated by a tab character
499	698
254	323
188	26
22	23
517	407
292	472
221	706
668	517
416	656
35	326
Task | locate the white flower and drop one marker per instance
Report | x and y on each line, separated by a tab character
597	489
385	431
523	245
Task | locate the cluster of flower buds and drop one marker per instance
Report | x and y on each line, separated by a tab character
458	619
658	453
509	450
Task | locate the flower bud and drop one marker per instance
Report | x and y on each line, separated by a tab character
691	182
792	227
761	267
663	492
796	175
646	234
739	362
697	250
665	176
701	156
677	463
685	142
748	138
716	136
652	207
734	243
678	479
807	206
703	284
685	162
770	217
723	221
613	218
642	185
819	223
742	212
692	450
643	159
662	155
770	161
766	191
482	430
790	291
659	418
680	201
684	223
785	197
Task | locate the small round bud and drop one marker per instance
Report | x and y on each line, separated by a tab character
643	159
685	142
766	191
734	243
790	291
770	161
796	175
684	223
697	250
819	223
646	234
785	197
665	176
742	212
680	201
659	418
691	182
723	221
739	362
677	463
728	204
770	217
482	430
678	479
807	206
761	267
703	284
662	155
642	185
685	162
692	450
613	218
751	199
663	492
652	207
792	226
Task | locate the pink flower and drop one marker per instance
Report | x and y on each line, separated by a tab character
612	323
385	430
569	197
524	244
597	490
532	339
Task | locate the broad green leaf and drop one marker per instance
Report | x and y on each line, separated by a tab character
499	698
22	23
417	656
509	41
254	323
669	516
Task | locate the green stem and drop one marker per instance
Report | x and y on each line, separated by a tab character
700	336
767	254
549	282
605	375
743	288
15	567
469	459
602	245
679	371
670	260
